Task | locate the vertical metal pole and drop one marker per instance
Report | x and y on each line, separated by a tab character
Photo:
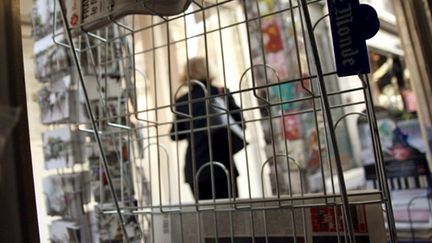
380	163
327	112
92	118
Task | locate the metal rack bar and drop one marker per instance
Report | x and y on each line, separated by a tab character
347	214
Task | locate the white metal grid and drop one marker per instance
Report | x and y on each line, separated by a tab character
144	127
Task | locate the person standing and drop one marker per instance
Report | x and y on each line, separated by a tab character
192	126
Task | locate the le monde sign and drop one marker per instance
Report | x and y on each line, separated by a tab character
352	24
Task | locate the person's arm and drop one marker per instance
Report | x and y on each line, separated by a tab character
232	106
178	126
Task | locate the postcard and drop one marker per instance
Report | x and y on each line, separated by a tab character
62	148
66	194
109	229
65	232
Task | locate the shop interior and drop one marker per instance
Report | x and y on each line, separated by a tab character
109	163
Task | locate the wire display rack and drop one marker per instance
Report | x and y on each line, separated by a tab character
276	203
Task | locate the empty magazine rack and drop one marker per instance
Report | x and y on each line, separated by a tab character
275	204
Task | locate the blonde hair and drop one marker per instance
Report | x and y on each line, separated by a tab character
196	69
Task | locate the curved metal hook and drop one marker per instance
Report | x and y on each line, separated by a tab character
253	80
111	124
289	158
165	150
136	95
306	88
346	115
220	165
319	21
163	147
55	30
410	204
201	85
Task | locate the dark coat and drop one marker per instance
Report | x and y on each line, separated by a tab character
198	141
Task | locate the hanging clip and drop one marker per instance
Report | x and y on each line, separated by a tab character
352	24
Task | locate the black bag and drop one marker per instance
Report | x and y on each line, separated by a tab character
222	120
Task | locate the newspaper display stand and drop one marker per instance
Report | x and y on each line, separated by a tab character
147	198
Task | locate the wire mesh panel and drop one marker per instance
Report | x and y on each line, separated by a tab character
225	123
